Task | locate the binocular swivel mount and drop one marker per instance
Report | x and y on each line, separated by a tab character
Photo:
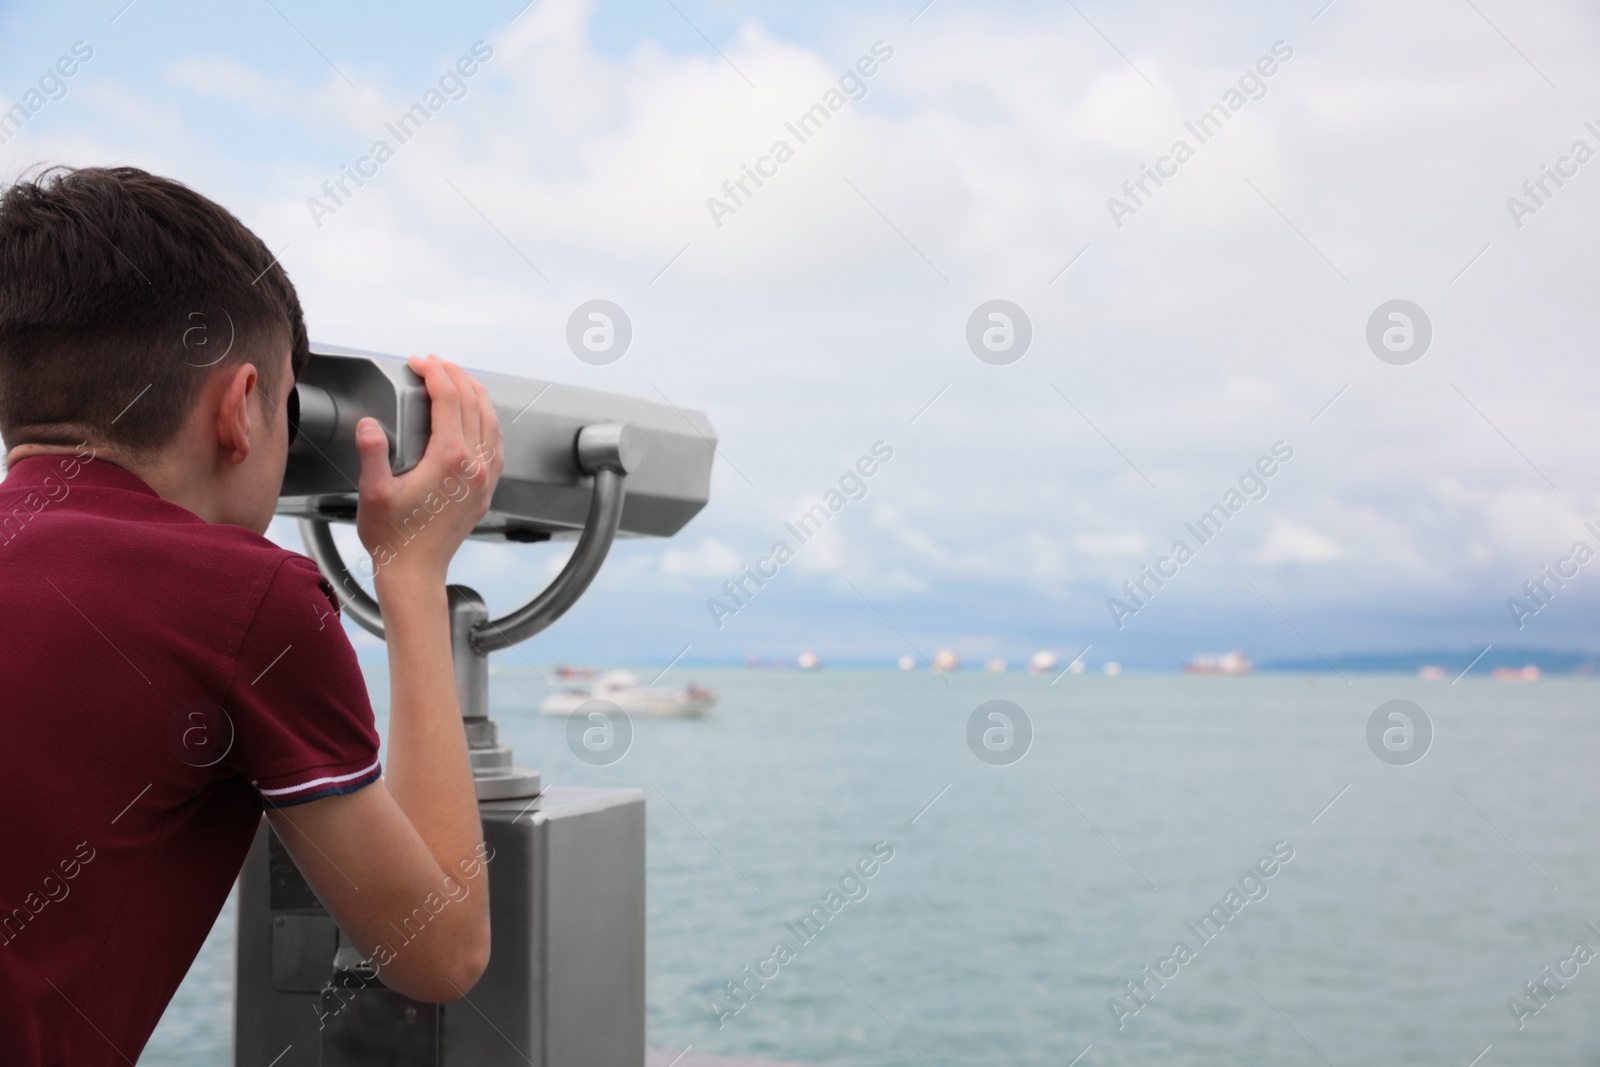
605	451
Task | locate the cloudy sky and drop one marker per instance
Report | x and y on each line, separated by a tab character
1176	339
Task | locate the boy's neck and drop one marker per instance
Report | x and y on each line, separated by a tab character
111	454
163	472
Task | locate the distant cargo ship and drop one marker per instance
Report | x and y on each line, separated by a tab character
1218	663
1530	673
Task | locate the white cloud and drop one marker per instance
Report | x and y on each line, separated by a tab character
709	558
1288	542
1119	545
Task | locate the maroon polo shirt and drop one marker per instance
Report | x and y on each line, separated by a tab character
164	679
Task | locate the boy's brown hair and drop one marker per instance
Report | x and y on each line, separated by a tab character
120	294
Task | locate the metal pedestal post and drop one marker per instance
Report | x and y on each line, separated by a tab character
493	771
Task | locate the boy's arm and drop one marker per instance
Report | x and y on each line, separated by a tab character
413	840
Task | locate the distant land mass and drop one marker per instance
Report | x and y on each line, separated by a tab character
1547	660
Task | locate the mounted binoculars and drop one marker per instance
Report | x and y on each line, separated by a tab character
565	982
556	437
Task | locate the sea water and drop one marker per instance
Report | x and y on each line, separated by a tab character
1025	901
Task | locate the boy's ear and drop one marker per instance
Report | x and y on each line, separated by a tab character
233	412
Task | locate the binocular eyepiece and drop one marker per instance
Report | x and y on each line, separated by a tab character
313	412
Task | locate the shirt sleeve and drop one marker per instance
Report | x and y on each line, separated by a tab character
302	722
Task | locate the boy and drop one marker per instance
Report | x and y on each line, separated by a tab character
170	673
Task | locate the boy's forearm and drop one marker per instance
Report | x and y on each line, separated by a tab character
427	770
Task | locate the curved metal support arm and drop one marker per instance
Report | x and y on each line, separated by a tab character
358	603
605	450
599	531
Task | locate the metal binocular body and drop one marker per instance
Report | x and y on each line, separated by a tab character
556	436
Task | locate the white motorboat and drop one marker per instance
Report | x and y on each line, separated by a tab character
623	689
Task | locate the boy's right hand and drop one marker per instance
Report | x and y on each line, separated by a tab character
413	524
